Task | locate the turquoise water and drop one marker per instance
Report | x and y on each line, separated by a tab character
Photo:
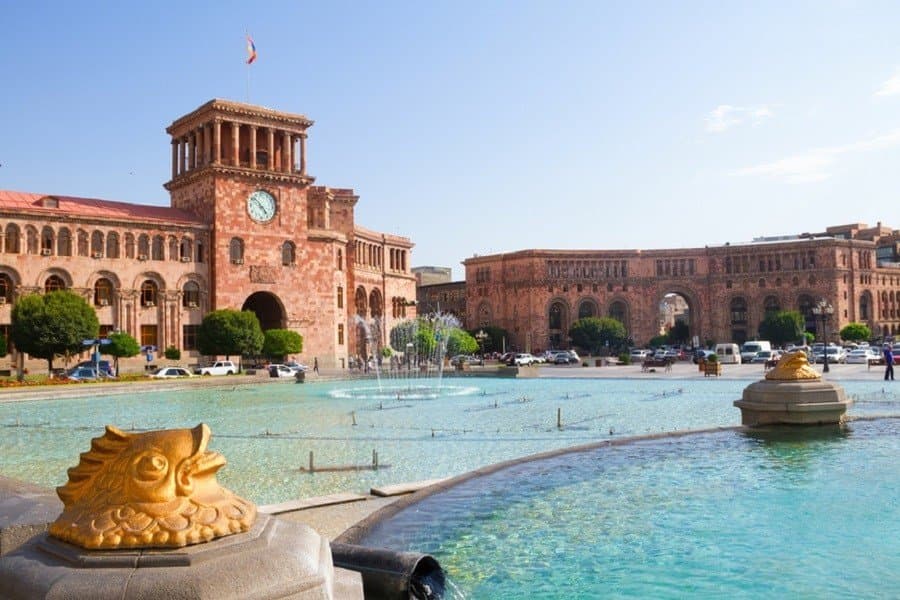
808	514
266	431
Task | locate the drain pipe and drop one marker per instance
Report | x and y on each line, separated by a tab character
391	575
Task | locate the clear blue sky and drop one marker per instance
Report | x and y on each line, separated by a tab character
476	127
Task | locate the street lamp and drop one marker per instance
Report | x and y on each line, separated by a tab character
481	336
823	311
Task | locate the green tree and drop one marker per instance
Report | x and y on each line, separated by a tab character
172	353
461	342
855	332
278	343
53	324
782	327
658	340
230	332
121	345
403	333
419	332
593	333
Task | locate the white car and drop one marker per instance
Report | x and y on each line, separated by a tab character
278	370
862	356
522	359
220	367
170	373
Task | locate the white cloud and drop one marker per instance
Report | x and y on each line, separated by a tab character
891	87
815	165
726	116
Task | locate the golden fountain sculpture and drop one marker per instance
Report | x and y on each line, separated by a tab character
149	490
791	367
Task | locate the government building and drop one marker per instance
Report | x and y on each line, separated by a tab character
721	292
246	228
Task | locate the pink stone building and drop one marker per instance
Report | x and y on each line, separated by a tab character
245	229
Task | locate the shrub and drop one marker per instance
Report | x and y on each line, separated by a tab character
625	358
712	358
172	353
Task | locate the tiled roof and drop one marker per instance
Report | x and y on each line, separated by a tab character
70	206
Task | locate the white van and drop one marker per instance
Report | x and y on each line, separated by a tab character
729	353
749	349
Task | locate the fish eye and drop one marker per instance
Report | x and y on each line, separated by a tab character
151	466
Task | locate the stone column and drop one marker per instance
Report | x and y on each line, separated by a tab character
286	152
217	142
303	154
270	166
235	144
174	158
253	146
207	144
180	156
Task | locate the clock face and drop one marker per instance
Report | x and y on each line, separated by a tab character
261	206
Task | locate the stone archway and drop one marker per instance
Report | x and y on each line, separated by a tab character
678	311
268	310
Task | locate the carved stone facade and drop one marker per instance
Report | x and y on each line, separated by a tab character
246	229
728	290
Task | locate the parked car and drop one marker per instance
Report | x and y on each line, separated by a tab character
521	359
220	367
638	354
836	354
87	374
566	357
279	370
701	354
464	359
295	366
104	366
862	356
764	356
170	373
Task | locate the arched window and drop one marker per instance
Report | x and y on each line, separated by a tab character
12	239
149	292
103	292
6	288
288	253
83	243
112	245
174	253
31	240
159	248
805	305
555	316
484	315
190	297
64	242
236	251
97	244
47	239
376	308
129	246
771	305
738	311
186	250
865	303
618	311
143	247
587	308
361	302
54	283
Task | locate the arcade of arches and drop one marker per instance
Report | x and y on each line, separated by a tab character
720	293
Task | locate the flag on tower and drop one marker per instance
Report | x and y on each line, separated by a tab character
251	50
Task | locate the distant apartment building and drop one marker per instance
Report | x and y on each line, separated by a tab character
432	275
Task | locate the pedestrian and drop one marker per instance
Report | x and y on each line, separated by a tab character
316	365
888	363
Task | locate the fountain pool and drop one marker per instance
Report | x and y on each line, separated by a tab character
813	513
266	431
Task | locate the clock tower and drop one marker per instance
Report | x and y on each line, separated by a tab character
242	169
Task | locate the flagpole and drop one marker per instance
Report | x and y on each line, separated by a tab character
248	83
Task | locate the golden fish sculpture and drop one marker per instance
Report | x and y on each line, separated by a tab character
156	489
793	366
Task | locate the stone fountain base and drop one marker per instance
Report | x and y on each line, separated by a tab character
275	559
798	402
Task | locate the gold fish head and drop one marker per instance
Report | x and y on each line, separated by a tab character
156	488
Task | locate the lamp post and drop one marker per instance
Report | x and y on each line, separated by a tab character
481	336
823	310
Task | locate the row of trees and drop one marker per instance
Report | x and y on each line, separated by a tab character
55	325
